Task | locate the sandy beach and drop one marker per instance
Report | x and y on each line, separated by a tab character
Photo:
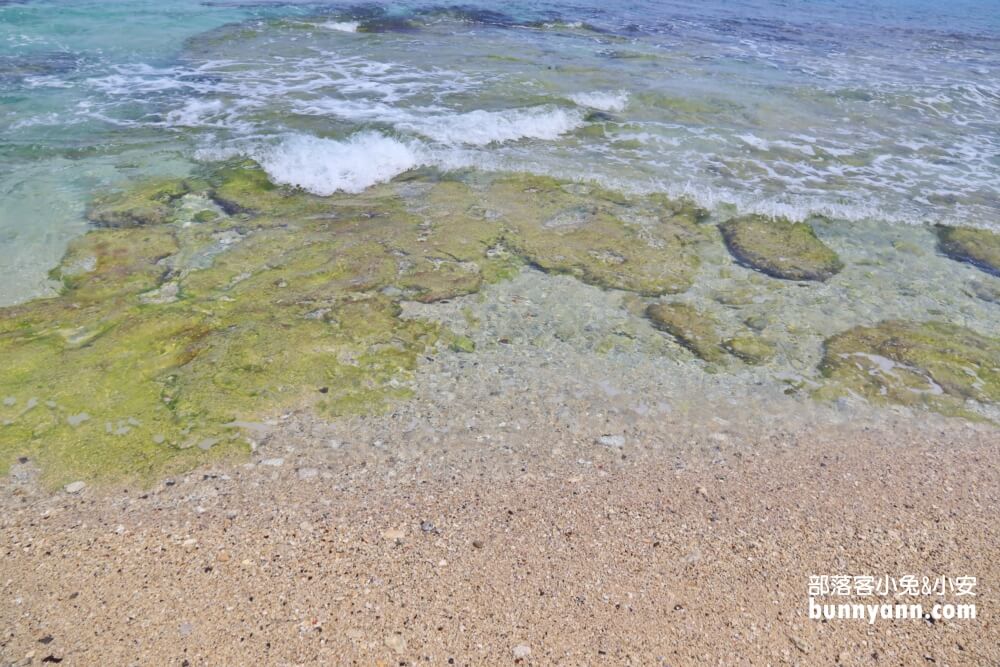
611	561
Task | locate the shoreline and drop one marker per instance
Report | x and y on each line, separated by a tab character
492	334
539	500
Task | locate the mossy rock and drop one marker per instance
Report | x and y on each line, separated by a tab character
449	246
691	328
168	336
205	216
107	262
987	290
587	234
148	203
243	187
750	349
933	364
978	247
780	248
462	344
108	382
127	388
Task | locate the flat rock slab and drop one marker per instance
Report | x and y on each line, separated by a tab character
974	246
937	364
780	248
692	329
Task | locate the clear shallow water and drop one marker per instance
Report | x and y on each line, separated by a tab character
887	111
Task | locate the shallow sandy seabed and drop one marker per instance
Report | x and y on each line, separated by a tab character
200	308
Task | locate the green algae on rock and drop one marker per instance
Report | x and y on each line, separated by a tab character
173	327
648	246
780	248
987	290
691	328
451	248
243	187
115	261
935	364
462	344
978	247
145	204
106	382
750	349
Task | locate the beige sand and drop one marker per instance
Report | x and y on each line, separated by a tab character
472	559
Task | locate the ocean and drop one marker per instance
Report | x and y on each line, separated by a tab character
883	111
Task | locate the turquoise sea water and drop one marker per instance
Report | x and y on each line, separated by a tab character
884	111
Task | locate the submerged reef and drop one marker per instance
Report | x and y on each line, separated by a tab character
648	246
692	329
699	332
978	247
780	248
148	204
198	307
943	366
750	349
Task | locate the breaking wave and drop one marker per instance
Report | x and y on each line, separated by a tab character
481	128
325	166
602	101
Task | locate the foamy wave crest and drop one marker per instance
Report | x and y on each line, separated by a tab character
326	166
342	26
601	100
481	128
195	113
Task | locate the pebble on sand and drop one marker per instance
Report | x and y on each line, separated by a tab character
396	643
614	441
394	534
74	487
521	651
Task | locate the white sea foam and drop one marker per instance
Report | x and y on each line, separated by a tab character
472	128
557	25
813	165
194	113
342	26
481	128
614	101
754	141
326	166
42	119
